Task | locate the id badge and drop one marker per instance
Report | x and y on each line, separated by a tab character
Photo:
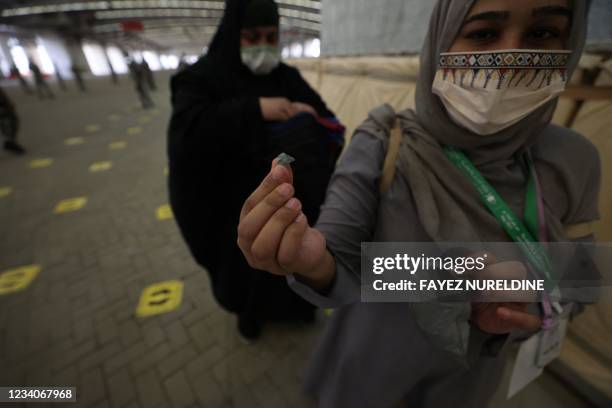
537	352
550	341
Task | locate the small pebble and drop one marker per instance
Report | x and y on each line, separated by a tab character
284	159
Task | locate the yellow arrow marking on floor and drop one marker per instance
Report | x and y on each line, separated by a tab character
18	279
134	130
4	191
117	145
100	166
40	163
73	141
114	117
70	205
164	213
160	298
92	128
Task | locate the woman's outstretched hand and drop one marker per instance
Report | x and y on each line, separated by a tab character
274	234
503	317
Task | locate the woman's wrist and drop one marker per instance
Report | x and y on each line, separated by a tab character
322	276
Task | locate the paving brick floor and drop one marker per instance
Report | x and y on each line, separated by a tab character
75	324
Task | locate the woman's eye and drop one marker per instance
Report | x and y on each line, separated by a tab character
248	38
543	34
483	35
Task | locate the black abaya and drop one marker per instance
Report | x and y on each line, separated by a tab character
214	135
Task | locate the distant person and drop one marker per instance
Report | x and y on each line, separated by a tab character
60	79
9	125
150	77
77	73
182	63
15	73
228	110
42	87
140	82
114	76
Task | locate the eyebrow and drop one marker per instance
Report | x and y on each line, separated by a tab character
553	11
488	15
505	15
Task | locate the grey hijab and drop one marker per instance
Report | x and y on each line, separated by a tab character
448	205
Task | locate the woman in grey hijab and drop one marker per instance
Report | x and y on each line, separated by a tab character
436	354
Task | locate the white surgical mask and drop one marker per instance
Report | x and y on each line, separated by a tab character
487	92
260	59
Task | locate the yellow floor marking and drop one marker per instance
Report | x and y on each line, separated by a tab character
134	130
73	141
4	191
166	171
18	279
100	166
40	163
92	128
160	298
117	145
164	213
144	119
114	117
70	205
328	312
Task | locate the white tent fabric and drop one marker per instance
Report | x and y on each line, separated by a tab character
366	27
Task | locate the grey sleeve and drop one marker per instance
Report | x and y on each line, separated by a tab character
348	218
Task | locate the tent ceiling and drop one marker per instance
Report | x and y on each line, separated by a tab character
181	24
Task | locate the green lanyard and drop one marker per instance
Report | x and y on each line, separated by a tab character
521	233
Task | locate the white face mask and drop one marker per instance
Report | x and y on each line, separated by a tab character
260	59
487	92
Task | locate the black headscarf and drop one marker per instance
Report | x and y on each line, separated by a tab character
225	45
260	13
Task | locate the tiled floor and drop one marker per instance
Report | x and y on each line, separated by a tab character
75	323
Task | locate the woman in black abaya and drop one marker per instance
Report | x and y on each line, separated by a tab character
221	106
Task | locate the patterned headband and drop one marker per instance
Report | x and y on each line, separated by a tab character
508	68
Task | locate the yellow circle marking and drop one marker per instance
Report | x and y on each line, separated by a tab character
40	163
100	166
70	205
73	141
92	128
162	297
5	191
134	130
14	280
164	213
117	145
